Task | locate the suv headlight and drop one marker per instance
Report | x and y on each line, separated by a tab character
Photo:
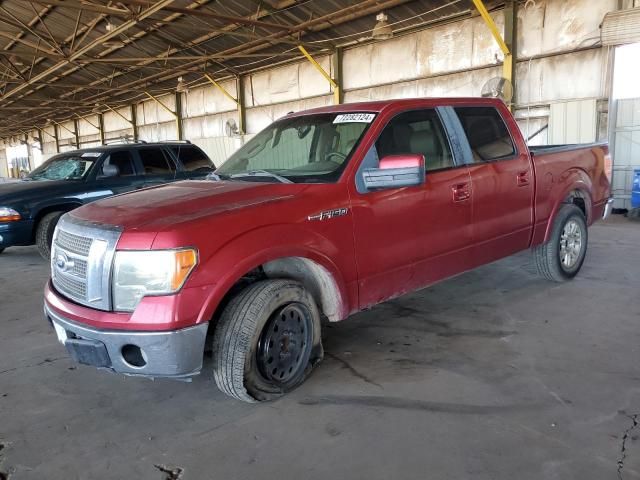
9	215
139	274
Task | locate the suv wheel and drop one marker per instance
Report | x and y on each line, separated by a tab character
44	233
267	341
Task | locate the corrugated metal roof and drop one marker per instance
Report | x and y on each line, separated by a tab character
46	75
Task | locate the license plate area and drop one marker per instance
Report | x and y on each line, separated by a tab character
88	352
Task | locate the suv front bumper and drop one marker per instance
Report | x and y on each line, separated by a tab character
174	354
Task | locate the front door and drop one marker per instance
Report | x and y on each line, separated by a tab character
407	238
502	183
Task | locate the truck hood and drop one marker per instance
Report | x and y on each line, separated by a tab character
163	207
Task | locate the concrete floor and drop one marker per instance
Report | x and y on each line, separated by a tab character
495	374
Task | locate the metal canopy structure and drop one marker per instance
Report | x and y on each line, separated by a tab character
64	59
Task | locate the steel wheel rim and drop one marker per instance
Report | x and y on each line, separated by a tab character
285	343
570	244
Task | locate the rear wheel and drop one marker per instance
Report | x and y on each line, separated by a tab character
561	258
1	250
44	233
266	341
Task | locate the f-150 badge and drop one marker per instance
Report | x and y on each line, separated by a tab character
326	215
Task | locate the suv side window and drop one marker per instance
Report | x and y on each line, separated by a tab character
123	161
155	162
192	158
487	133
417	132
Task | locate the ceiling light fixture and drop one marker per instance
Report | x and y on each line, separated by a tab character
382	30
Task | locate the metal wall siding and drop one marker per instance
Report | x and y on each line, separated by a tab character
573	122
622	27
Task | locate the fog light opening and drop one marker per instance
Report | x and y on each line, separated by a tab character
134	356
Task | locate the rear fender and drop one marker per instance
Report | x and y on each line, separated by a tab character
573	182
219	273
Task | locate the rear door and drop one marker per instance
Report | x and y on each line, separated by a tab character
128	179
194	162
502	183
406	238
157	165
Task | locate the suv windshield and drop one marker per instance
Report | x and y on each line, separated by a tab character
310	148
73	166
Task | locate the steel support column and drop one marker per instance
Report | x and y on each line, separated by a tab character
338	94
242	114
56	137
134	122
76	127
178	114
101	128
510	39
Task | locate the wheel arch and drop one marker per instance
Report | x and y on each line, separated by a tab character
576	190
297	261
58	207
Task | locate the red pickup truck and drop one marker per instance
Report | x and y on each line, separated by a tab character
324	213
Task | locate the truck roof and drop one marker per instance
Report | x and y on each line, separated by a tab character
120	146
380	105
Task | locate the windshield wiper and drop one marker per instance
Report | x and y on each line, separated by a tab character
261	173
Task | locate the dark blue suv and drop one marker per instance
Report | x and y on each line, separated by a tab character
30	208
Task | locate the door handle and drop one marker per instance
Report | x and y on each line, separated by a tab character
461	192
522	179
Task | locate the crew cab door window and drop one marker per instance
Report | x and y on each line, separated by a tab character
418	132
156	165
487	133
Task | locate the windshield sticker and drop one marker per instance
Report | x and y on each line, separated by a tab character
91	154
355	118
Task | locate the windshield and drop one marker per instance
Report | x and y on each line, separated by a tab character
73	166
310	148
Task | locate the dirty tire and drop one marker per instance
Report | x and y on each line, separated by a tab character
238	341
1	250
547	256
44	233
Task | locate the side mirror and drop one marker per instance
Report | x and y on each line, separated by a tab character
396	171
110	171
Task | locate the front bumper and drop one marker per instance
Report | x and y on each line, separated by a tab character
16	233
174	354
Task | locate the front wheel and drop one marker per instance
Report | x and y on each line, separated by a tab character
561	258
1	250
44	233
266	341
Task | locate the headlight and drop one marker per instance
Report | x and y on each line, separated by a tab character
9	215
138	274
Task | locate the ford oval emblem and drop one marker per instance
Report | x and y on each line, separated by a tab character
63	263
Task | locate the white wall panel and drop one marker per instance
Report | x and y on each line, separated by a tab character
209	99
573	122
150	111
85	127
114	122
158	132
260	117
562	77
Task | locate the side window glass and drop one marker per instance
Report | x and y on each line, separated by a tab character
123	161
418	132
154	162
487	133
192	158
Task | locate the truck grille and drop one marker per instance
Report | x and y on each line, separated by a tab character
81	258
74	243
